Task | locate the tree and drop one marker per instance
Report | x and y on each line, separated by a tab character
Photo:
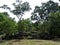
41	13
25	25
7	25
54	19
20	8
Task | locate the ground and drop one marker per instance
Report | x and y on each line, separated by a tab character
30	42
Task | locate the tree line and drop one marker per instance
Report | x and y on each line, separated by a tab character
47	25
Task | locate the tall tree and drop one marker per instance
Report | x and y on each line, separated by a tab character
42	12
20	8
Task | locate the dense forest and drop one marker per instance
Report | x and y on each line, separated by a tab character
46	25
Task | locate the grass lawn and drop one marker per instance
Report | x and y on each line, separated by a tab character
30	42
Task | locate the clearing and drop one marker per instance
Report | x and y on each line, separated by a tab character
30	42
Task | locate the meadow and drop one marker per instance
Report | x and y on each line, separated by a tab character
30	42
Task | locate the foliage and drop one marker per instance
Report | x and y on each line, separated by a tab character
41	12
54	19
19	8
46	26
25	25
7	25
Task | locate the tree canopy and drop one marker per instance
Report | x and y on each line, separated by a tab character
19	8
7	25
42	12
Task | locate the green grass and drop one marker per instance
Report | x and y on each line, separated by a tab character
30	42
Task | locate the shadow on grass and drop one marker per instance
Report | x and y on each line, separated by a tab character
56	40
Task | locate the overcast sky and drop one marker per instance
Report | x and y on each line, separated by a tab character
32	3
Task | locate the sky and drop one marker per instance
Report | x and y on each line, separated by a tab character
32	3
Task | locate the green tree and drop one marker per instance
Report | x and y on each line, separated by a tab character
7	25
25	25
54	19
20	8
41	13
